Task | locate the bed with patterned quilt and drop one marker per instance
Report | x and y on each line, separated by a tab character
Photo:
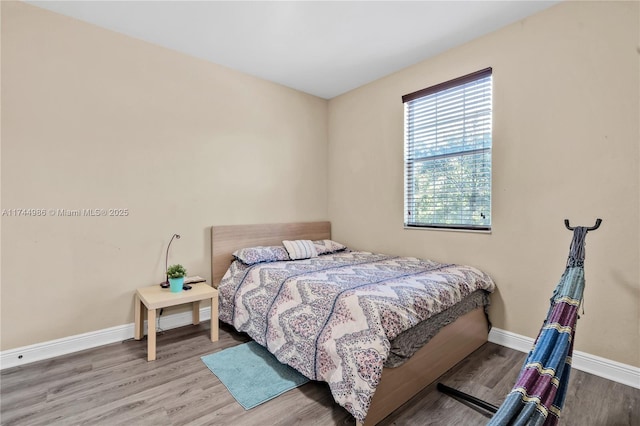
346	317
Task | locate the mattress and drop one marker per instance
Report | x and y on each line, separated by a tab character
334	317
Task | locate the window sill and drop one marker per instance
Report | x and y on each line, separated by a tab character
425	228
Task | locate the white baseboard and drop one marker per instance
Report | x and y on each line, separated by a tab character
39	351
602	367
611	370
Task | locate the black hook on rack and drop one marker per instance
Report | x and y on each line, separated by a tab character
593	228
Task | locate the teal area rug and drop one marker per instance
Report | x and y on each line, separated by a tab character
251	374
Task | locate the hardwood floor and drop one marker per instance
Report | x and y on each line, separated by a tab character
115	385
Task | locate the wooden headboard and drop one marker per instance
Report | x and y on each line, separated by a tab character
229	238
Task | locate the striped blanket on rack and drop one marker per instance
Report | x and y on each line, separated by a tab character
538	395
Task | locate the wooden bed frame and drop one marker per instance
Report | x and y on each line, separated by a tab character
451	345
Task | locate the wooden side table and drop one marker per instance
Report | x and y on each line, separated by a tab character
155	297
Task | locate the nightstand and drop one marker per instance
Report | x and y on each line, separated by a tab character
155	297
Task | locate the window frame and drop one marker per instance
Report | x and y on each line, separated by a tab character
409	167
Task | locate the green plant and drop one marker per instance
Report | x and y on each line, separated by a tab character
176	271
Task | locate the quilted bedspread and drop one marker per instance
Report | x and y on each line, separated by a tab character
332	317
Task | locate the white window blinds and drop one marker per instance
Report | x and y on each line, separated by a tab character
448	154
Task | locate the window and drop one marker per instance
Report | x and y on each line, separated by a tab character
448	154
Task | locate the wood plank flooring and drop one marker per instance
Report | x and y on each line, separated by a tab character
115	385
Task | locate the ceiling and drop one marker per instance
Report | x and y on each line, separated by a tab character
324	48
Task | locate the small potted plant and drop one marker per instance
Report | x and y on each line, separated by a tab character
176	274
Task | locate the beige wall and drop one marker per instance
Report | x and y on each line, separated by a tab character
94	119
566	132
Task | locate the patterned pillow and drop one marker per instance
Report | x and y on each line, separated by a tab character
328	246
300	249
253	255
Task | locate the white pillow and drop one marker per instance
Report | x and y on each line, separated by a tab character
300	249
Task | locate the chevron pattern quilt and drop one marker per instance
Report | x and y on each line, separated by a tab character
332	317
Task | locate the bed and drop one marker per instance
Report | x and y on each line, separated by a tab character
390	387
